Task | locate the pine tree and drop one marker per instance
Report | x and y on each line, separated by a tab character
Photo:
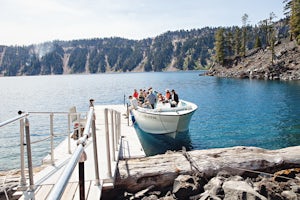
257	42
295	20
220	46
293	12
237	41
244	34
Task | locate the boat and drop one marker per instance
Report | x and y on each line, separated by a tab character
164	119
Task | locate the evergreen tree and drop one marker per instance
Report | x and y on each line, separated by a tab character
244	34
220	46
257	42
295	20
237	41
272	36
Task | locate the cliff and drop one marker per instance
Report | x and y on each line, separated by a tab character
257	64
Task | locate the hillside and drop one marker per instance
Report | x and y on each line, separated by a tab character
180	50
257	64
171	51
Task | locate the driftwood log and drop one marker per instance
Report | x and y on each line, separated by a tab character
161	170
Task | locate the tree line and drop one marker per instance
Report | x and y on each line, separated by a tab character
231	44
182	50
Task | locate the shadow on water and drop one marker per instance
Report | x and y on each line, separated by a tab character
154	144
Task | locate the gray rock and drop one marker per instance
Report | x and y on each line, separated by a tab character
185	186
151	197
289	195
214	186
238	190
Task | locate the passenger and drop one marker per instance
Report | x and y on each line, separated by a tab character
141	97
160	98
133	102
168	95
175	99
133	105
151	98
145	94
135	94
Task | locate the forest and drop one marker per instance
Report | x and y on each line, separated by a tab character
177	50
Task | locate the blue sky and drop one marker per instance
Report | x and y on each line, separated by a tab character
25	22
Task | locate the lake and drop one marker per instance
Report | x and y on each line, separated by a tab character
230	112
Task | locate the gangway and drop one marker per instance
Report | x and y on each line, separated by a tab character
80	169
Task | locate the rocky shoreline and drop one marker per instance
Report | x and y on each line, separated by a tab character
217	174
284	185
257	64
225	173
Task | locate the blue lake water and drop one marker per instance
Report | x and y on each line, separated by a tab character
230	111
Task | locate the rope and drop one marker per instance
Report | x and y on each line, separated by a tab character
4	187
194	164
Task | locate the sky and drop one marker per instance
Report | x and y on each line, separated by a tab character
25	22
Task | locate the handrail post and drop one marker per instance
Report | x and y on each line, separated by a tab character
82	159
107	143
112	134
97	181
128	113
116	130
120	120
69	131
52	138
22	161
29	160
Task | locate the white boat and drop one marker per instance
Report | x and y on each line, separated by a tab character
164	119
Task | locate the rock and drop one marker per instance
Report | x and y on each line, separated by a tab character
151	197
269	189
290	195
185	186
257	64
214	186
236	190
285	175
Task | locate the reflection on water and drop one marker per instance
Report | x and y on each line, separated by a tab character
160	143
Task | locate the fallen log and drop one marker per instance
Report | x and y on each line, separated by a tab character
161	170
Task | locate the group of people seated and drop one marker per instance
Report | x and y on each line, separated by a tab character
149	98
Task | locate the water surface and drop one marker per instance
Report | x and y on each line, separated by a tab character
230	111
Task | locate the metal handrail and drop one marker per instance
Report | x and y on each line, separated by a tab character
22	116
61	184
113	132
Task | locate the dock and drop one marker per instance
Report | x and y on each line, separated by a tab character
129	147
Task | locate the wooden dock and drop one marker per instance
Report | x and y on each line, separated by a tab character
130	147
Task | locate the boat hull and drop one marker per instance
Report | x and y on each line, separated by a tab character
165	121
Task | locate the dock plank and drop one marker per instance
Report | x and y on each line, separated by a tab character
43	192
70	191
95	191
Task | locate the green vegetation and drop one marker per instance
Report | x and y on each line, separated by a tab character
183	49
293	13
231	43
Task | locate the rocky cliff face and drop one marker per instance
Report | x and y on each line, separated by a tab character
258	64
